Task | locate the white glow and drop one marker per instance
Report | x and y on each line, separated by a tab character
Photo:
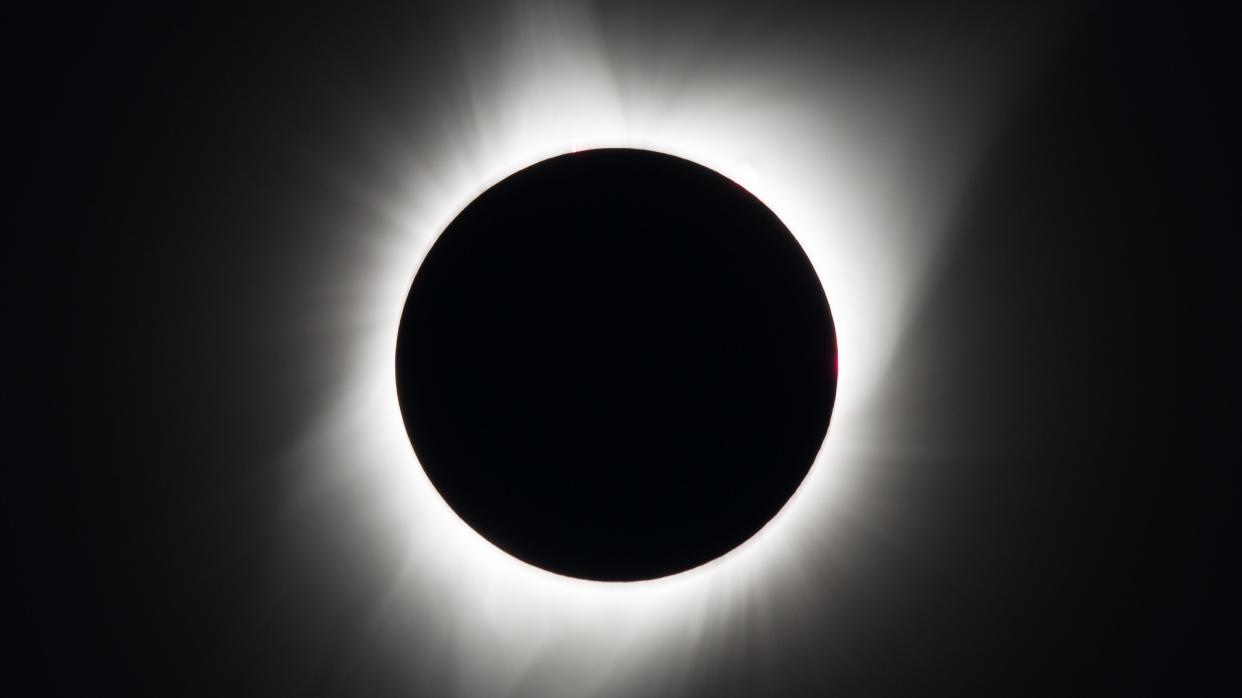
863	170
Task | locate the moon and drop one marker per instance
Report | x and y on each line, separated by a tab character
616	365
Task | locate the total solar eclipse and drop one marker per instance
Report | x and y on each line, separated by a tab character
616	365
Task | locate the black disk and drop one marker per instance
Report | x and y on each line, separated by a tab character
616	365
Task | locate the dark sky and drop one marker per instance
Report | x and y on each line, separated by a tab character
1076	347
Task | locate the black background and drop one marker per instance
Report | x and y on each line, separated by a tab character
1081	336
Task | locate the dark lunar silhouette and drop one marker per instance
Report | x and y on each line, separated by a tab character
616	364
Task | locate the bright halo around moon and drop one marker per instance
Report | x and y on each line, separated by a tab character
864	168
